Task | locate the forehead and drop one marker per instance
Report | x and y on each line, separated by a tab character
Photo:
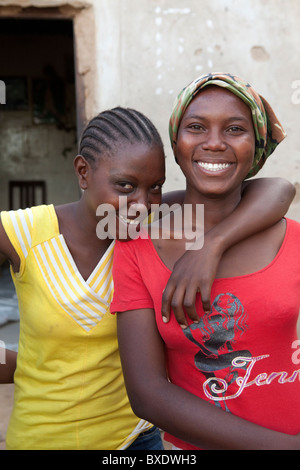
135	159
215	99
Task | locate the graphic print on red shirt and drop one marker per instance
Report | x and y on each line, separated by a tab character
239	357
214	335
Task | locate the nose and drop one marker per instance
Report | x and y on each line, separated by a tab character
214	141
140	203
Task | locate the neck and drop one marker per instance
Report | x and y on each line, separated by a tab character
216	208
77	222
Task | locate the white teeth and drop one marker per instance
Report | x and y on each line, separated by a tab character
129	221
214	166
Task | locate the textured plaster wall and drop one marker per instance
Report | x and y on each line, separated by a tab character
140	53
148	50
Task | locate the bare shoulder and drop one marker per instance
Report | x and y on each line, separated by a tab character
173	197
254	253
276	233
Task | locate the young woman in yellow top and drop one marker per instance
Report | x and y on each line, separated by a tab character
69	389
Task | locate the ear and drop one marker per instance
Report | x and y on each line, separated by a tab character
82	169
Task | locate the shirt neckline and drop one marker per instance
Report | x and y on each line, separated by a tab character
70	257
260	271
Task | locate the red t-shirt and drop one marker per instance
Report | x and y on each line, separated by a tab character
244	355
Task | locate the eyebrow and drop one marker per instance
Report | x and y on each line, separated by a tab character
124	176
230	118
238	118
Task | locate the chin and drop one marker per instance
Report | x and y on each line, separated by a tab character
128	234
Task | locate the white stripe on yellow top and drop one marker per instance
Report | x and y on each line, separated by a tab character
22	223
85	301
68	278
83	325
68	287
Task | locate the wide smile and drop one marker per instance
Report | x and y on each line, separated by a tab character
129	221
214	167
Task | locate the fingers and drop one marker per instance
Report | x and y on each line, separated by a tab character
172	299
181	299
183	307
205	298
206	286
166	302
187	304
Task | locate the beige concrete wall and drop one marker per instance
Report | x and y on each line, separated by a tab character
148	50
140	53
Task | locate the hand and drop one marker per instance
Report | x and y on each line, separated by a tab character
193	273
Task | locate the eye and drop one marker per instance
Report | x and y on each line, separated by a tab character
196	127
125	186
156	188
235	129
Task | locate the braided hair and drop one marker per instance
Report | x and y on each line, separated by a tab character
113	127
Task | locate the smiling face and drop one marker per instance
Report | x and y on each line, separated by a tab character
216	142
136	172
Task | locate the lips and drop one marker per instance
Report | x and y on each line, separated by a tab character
213	167
129	221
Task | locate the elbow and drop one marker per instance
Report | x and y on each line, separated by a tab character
147	401
139	410
141	406
287	189
292	190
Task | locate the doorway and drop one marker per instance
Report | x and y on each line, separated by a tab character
38	121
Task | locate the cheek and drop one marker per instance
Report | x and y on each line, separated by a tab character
182	153
246	151
182	147
155	198
103	199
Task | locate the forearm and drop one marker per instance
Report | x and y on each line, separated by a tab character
264	202
8	363
202	424
174	409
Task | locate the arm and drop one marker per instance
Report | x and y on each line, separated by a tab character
264	202
8	364
7	251
173	197
173	409
7	358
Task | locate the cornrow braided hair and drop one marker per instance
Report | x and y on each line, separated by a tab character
116	126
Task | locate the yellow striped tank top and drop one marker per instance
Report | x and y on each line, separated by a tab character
69	388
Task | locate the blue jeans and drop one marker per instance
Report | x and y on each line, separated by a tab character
148	440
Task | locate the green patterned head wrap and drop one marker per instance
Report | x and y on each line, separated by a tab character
268	130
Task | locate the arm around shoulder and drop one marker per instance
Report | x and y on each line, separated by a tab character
264	202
